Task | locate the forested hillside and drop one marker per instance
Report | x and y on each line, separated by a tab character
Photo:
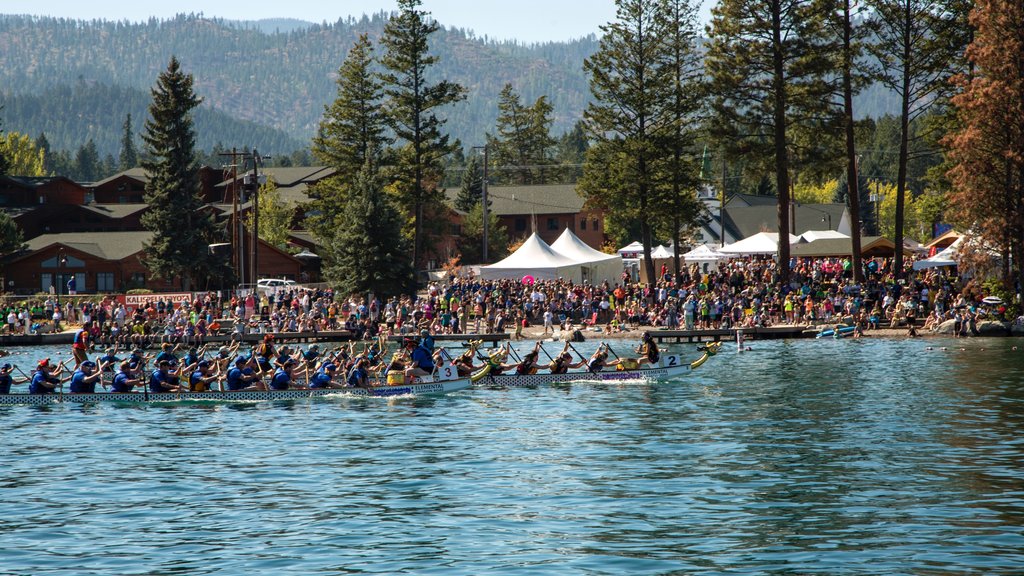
76	80
281	80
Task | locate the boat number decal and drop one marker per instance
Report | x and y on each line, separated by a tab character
673	361
447	373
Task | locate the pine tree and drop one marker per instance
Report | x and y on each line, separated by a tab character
679	168
411	106
4	161
43	144
129	156
471	243
352	131
987	150
629	80
351	134
369	253
471	191
10	235
87	162
769	64
523	141
918	46
181	235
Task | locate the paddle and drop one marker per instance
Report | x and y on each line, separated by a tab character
585	362
609	348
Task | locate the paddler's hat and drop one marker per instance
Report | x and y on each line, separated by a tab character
88	364
6	367
110	350
289	362
224	351
268	337
204	364
330	367
314	346
164	363
45	362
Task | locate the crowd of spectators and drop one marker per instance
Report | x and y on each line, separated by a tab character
742	292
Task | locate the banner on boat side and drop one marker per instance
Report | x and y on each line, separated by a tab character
136	300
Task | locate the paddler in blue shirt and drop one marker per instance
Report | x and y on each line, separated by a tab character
359	377
202	377
324	378
126	379
83	381
282	379
243	377
162	379
46	377
6	380
421	364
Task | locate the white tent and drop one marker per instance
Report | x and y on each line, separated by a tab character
597	266
812	235
945	258
704	253
632	251
534	258
662	252
760	243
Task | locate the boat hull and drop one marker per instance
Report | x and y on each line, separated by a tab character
238	396
528	380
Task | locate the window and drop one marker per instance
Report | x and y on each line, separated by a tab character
583	224
552	223
138	280
520	224
104	281
595	224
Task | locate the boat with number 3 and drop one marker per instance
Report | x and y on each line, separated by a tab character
419	388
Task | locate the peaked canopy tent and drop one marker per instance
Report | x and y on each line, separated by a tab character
947	257
760	243
534	258
662	251
704	253
596	265
632	251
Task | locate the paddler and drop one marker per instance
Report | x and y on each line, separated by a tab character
126	379
282	379
648	351
46	377
243	377
529	363
83	381
561	363
496	361
6	380
324	378
204	375
599	360
421	361
163	379
359	377
464	363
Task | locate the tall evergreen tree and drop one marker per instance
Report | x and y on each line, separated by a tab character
472	189
351	135
369	252
630	81
987	151
181	235
679	170
411	107
129	156
768	62
10	235
4	161
522	144
918	45
87	162
43	144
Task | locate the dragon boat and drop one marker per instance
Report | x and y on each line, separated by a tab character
671	365
418	388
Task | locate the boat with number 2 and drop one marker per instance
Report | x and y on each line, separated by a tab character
670	366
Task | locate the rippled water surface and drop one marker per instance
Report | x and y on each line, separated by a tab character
823	457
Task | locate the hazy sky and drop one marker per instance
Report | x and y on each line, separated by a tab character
525	20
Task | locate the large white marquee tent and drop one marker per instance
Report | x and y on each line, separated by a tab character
760	243
534	258
596	265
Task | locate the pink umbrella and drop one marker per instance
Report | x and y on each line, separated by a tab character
528	279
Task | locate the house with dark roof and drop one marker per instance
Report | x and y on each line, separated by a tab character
59	218
109	262
26	191
547	209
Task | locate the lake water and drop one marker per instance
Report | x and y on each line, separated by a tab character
805	457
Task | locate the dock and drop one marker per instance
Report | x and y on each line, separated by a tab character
492	339
729	334
222	338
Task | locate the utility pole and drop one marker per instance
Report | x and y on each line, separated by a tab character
721	200
238	252
484	198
